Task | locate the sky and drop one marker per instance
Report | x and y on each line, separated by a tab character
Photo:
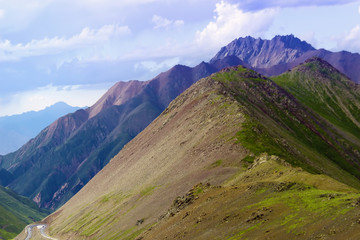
73	51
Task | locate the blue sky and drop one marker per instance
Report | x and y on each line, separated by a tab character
73	51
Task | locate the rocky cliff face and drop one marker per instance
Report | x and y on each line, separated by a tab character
259	53
275	56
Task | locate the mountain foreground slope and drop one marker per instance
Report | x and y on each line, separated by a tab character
16	212
56	164
282	53
235	156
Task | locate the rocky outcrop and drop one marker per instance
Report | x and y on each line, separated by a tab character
278	55
259	53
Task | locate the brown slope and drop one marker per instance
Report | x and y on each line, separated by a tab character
118	94
174	153
197	140
56	164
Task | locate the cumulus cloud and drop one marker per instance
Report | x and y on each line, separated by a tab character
351	41
161	22
231	22
47	46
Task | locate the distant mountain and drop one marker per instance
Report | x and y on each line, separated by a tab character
16	212
16	130
56	164
236	156
275	56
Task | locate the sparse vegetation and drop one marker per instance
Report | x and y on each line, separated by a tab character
299	181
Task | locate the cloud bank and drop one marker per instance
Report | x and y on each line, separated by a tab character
231	22
87	38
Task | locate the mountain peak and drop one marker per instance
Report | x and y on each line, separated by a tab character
319	66
292	42
261	53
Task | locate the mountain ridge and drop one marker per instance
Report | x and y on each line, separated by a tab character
80	144
281	53
233	156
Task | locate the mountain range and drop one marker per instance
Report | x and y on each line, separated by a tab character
280	54
64	156
235	156
16	130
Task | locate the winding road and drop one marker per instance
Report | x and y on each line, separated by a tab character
40	227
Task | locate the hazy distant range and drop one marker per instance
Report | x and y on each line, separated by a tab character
16	130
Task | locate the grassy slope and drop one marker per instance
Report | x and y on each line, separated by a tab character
278	124
212	134
16	212
326	91
271	200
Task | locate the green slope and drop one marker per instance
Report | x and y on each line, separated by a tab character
328	92
281	125
16	212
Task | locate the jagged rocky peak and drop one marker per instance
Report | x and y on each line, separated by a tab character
290	41
260	53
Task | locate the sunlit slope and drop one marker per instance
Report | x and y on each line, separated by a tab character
250	143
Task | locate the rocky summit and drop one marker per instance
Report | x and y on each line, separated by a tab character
282	53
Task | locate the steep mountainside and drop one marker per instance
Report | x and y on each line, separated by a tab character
225	145
16	212
275	56
332	95
56	164
16	130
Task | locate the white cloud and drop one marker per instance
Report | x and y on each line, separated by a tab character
48	46
231	22
40	98
351	41
359	9
153	66
161	22
309	37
